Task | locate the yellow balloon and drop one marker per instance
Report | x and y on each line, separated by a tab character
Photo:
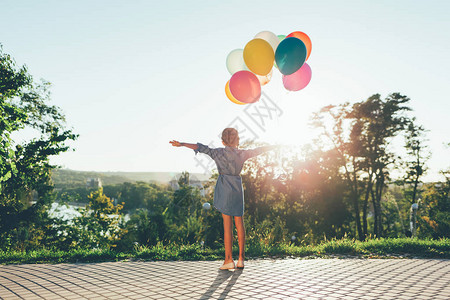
259	56
230	96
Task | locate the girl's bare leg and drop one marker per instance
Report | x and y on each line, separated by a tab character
228	237
239	222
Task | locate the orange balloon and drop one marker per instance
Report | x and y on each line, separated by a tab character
230	96
305	39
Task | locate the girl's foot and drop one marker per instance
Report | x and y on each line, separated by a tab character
240	264
228	265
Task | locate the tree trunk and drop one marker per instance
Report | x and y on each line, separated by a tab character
380	193
366	204
416	183
356	202
353	184
357	217
376	201
375	212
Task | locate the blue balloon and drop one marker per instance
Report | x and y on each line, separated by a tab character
290	55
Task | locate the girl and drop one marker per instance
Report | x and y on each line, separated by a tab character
228	193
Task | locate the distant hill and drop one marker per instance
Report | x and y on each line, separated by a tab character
72	178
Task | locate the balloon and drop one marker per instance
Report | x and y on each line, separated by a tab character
290	55
269	37
230	96
281	37
305	39
235	61
259	56
245	87
298	80
263	80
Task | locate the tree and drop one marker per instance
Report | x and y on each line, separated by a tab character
434	218
97	227
347	152
434	210
360	136
418	154
184	179
378	122
24	166
144	228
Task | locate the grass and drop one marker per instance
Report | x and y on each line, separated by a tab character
376	248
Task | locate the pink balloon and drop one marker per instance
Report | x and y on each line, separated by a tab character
299	79
245	87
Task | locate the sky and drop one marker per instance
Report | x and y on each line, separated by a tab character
132	75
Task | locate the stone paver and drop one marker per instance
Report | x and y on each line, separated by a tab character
261	279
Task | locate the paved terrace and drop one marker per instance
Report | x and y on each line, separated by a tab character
261	279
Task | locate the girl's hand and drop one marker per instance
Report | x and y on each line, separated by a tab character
175	143
178	144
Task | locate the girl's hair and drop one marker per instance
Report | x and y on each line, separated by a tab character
230	137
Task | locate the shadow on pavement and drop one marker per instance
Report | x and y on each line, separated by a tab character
222	275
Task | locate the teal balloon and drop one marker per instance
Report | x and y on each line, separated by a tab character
290	55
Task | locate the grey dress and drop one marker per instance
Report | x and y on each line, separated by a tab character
228	193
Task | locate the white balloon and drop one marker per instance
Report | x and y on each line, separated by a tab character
269	37
235	61
264	79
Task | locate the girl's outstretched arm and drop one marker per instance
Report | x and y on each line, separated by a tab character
257	151
178	144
